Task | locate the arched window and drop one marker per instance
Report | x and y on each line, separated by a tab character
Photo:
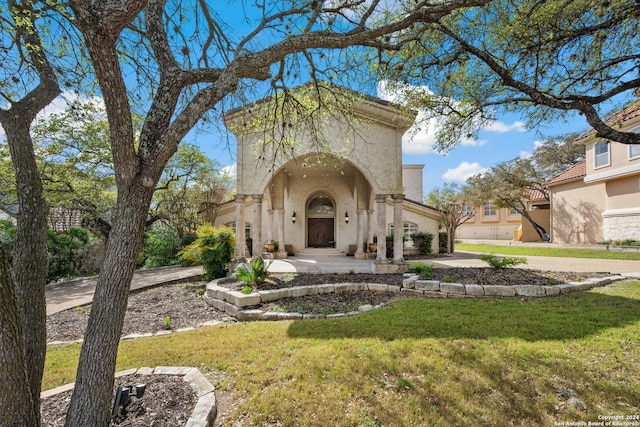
321	205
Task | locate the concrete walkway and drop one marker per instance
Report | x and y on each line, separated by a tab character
73	293
77	292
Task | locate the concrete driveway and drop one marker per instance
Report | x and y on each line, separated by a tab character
583	265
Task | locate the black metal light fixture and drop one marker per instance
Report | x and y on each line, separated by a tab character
346	217
293	217
123	395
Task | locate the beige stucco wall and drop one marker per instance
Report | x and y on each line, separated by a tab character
618	185
375	149
498	227
412	182
576	212
542	217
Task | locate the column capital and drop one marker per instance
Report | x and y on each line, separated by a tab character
398	197
381	198
240	198
257	197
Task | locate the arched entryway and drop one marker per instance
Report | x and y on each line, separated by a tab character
321	216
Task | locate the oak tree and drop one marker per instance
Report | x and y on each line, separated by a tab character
541	59
189	61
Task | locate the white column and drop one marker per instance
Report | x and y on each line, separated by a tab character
280	227
257	225
381	212
370	227
270	227
359	234
240	238
398	228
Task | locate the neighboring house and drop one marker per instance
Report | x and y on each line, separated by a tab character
309	199
599	199
490	223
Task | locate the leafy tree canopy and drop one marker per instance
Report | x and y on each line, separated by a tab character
540	58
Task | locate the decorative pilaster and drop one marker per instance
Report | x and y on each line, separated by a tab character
240	237
282	252
270	227
398	228
360	254
370	227
381	211
257	225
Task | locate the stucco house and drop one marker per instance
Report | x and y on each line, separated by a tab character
598	199
328	190
492	223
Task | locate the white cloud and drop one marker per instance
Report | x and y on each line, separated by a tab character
231	170
421	137
500	127
463	171
473	142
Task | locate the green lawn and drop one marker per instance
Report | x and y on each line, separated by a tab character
545	251
462	362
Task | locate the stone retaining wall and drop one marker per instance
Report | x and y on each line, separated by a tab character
239	305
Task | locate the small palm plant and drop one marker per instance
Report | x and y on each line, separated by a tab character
253	273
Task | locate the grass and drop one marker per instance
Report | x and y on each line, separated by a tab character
546	251
484	362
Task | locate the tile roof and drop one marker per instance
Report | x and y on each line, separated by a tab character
629	112
536	194
575	171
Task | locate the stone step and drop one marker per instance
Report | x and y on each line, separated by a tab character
319	252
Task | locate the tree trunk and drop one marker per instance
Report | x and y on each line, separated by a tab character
451	239
30	258
93	393
16	407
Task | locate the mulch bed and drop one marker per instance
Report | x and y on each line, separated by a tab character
168	401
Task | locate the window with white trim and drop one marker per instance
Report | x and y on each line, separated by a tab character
634	149
601	154
489	209
409	229
467	210
513	211
247	228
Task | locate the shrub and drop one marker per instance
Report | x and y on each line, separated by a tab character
7	236
426	271
442	242
504	262
65	252
213	249
254	273
423	241
161	247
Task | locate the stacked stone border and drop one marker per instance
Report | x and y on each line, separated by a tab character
205	411
239	305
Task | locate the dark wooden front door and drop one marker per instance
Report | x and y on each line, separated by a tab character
320	232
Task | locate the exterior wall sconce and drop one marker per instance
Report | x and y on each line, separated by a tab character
346	217
293	217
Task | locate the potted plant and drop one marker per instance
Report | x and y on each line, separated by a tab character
270	246
374	246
